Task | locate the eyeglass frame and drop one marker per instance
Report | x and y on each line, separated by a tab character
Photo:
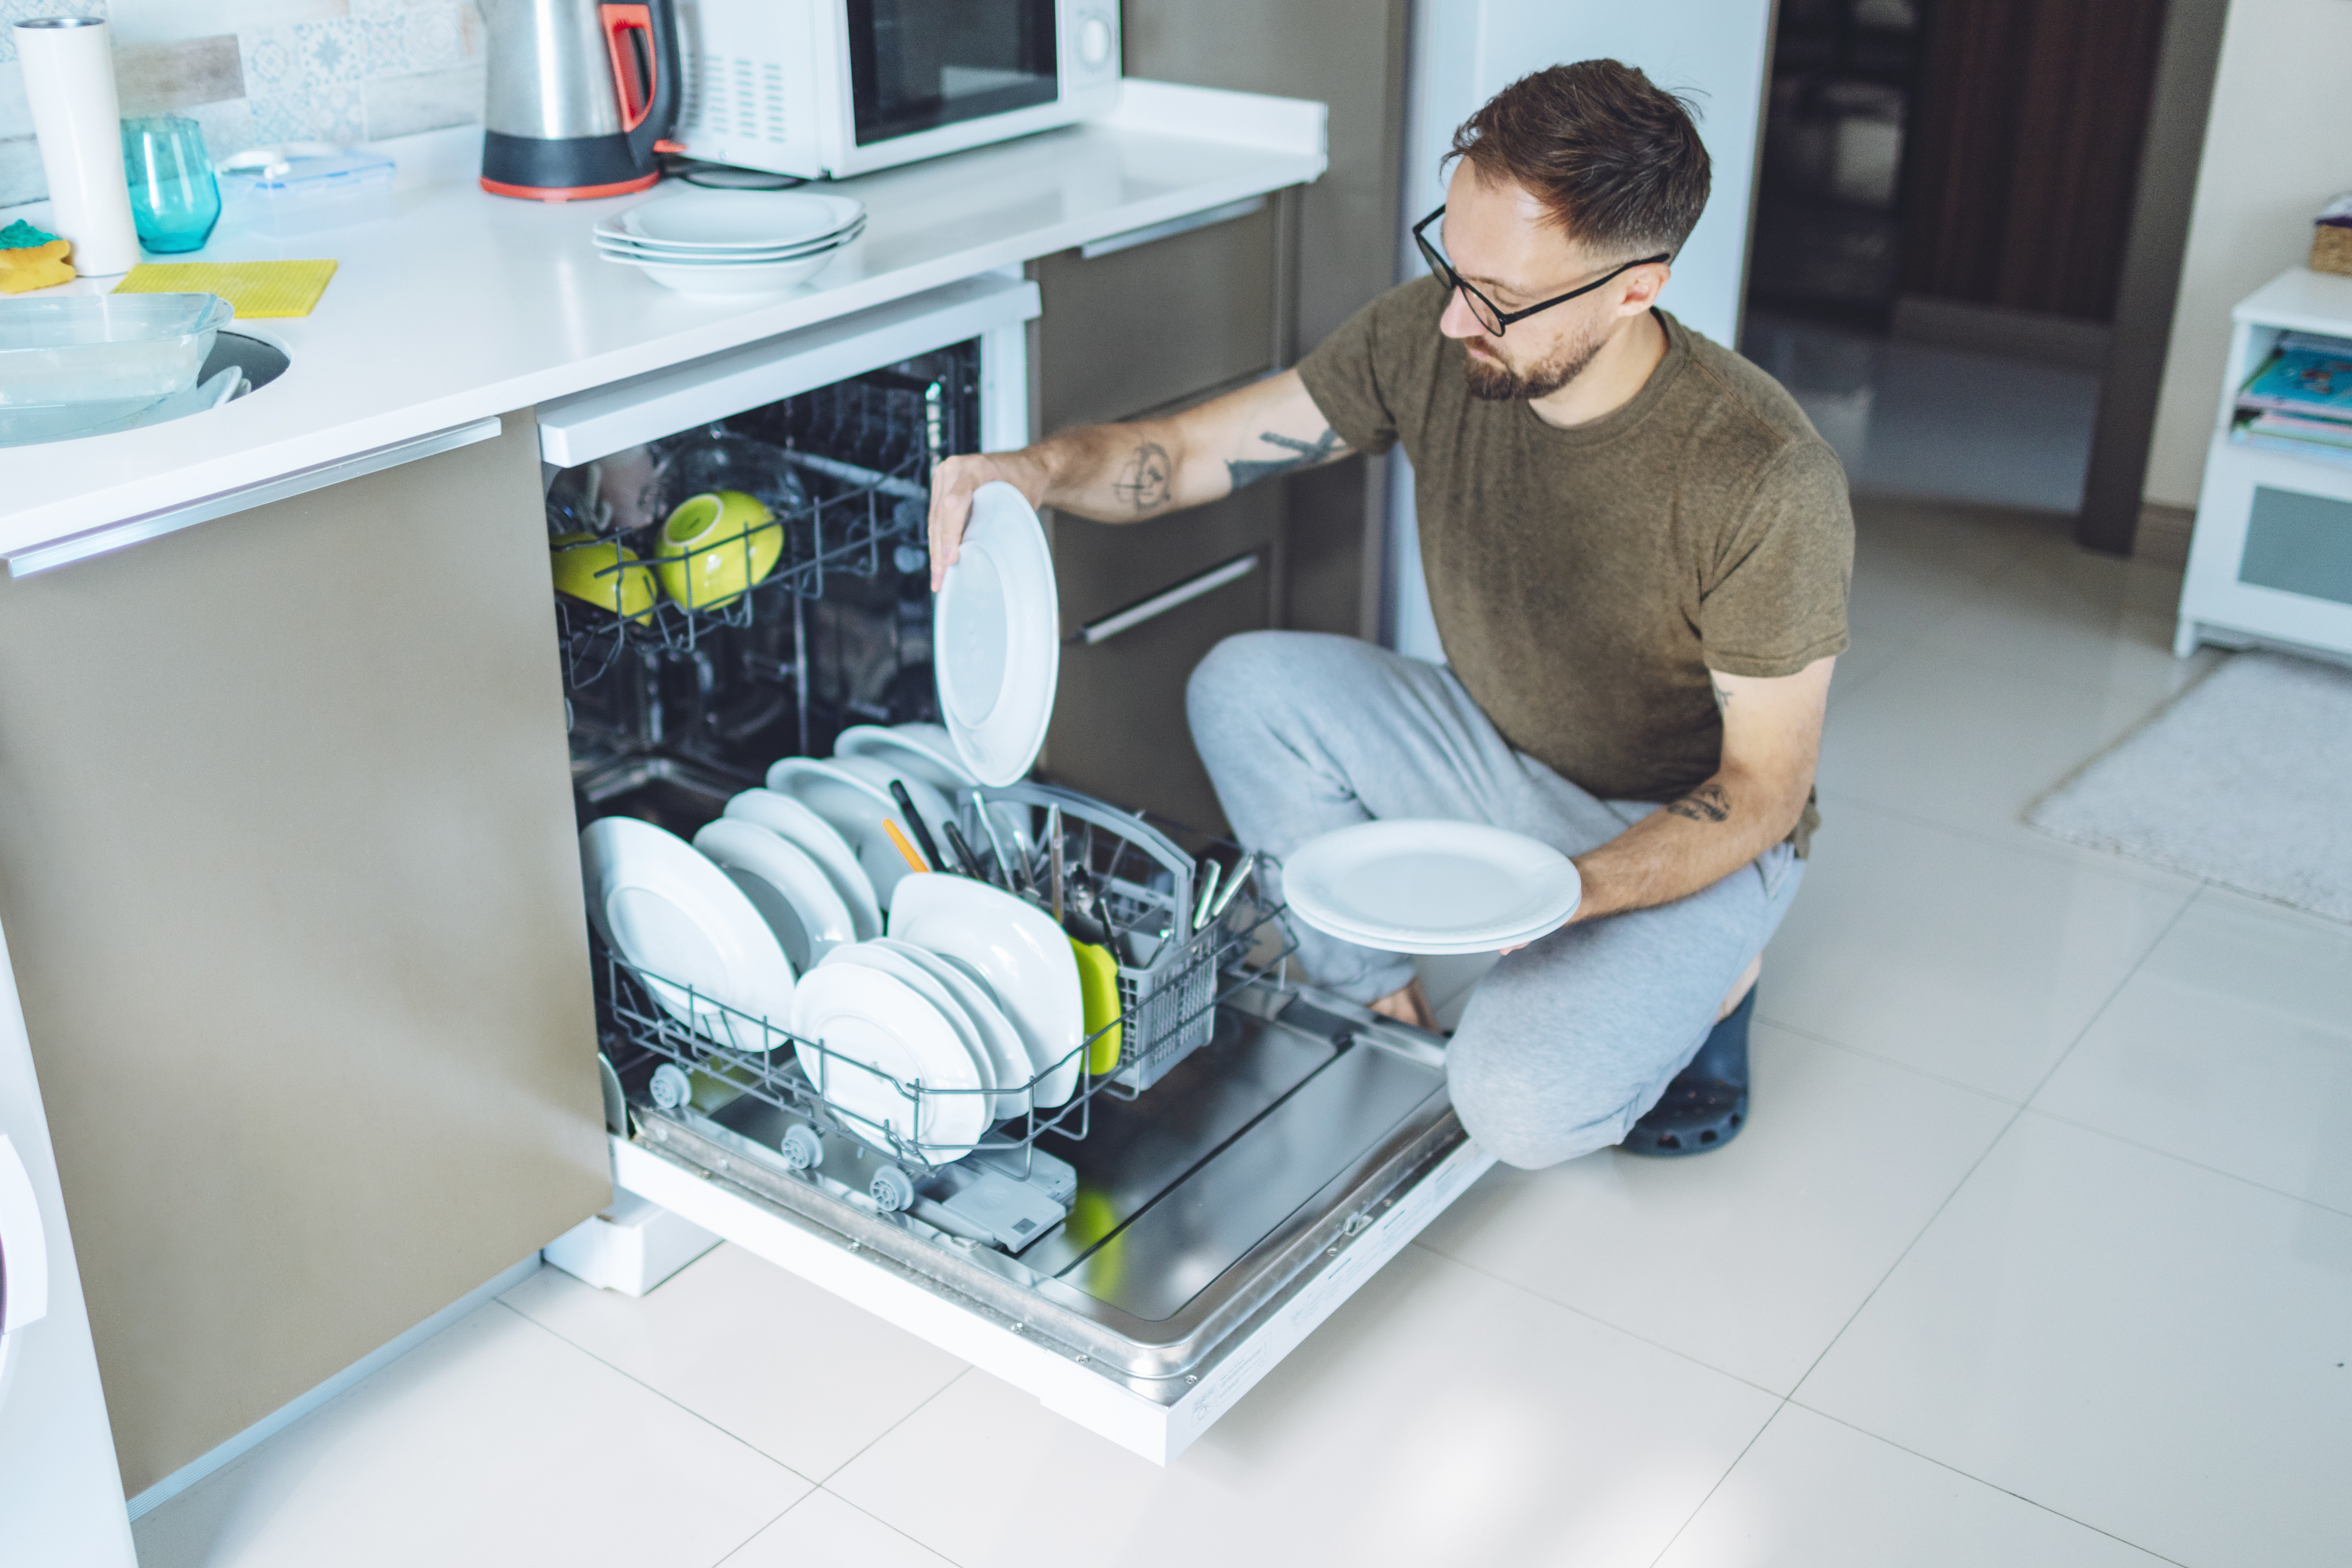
1443	269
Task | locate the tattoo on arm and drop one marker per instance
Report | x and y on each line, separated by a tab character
1708	803
1722	696
1145	482
1304	455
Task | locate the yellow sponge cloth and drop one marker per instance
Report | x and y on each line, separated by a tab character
252	287
35	266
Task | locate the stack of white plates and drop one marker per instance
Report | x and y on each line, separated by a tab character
1415	885
731	242
968	1013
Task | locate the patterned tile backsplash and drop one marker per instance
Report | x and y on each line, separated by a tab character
254	72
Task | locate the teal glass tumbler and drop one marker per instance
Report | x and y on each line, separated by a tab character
174	199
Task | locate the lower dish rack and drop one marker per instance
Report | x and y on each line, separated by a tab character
702	1062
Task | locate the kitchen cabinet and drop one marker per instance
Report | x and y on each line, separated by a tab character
290	871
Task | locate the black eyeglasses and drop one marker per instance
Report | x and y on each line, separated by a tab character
1490	315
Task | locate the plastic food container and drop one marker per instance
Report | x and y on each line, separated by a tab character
71	362
304	188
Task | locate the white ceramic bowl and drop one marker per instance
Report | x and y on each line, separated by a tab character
771	278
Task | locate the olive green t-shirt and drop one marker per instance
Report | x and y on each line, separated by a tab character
1585	581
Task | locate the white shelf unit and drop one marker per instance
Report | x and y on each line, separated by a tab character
2270	560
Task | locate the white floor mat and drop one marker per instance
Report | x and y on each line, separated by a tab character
2245	780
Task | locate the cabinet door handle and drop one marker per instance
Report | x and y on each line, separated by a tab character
1160	603
1111	244
154	525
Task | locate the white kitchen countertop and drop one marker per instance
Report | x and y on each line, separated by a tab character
467	305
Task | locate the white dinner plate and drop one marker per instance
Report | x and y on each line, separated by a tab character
821	841
930	805
1419	885
890	957
740	220
857	806
997	637
787	886
993	1030
927	749
620	241
664	908
768	278
864	1017
1025	958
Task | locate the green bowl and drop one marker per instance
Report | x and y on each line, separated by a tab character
717	546
584	566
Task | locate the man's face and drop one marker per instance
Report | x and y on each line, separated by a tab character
1502	242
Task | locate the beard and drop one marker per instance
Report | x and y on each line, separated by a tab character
1495	381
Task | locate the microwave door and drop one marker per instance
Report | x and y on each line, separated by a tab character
917	66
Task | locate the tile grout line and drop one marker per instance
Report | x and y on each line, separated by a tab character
2246	1181
1865	1054
1977	1164
818	1485
2055	851
2005	1491
1591	1317
886	1524
1744	1450
658	1394
967	1370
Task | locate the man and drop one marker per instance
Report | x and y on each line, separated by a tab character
1638	553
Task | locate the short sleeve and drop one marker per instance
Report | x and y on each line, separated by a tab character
1343	376
1777	601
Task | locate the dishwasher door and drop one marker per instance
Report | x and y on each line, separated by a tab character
1218	1219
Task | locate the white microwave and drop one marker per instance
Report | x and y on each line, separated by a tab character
826	89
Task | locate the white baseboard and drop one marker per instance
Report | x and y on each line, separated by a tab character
286	1415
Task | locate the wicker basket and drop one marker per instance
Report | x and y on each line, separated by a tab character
2331	249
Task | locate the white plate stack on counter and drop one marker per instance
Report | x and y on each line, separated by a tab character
802	910
731	242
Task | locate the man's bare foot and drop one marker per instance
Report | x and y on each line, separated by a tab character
1745	983
1409	1005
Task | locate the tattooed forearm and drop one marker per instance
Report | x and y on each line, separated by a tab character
1146	480
1304	455
1722	696
1708	803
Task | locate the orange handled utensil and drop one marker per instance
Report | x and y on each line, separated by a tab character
914	861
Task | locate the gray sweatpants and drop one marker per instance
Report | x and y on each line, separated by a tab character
1565	1042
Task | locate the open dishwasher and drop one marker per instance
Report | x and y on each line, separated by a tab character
1232	1154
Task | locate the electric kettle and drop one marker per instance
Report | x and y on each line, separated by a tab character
582	95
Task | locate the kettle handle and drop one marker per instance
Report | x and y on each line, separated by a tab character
647	108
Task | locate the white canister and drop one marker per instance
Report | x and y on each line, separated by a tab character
68	64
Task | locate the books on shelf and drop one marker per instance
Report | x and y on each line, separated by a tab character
2304	375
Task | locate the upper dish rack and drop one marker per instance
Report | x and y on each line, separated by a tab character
861	451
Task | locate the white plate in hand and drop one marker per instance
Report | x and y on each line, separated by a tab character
664	908
1025	958
803	827
996	637
788	888
873	1025
1422	885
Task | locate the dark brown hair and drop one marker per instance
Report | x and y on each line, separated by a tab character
1613	157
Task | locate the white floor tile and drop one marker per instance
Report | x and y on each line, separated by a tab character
494	1443
1440	1417
1752	1258
1947	737
1972	961
2230	1046
823	1531
2153	1349
1813	1493
730	1337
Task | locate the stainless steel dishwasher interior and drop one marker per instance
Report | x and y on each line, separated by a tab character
1198	1203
